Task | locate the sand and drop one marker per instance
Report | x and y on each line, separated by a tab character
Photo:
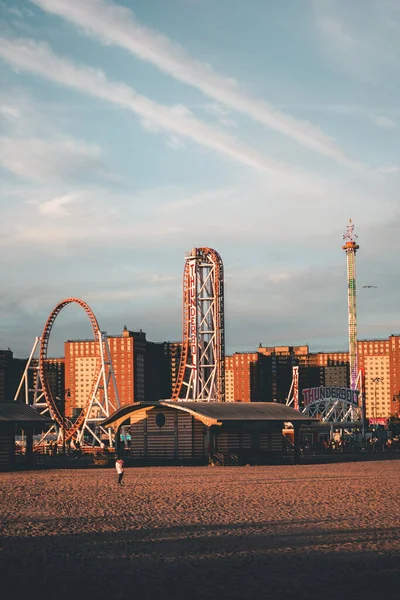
308	531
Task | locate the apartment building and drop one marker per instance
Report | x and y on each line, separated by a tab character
240	377
82	364
266	375
380	361
11	371
262	376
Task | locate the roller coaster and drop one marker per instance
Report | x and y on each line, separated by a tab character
98	405
201	374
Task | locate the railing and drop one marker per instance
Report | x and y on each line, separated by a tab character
225	459
218	458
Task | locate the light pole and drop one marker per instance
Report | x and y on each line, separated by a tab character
396	398
65	393
375	380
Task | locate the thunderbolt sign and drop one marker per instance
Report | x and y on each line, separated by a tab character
330	393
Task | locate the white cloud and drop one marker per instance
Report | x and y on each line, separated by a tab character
39	59
389	170
292	269
376	117
255	213
175	143
57	207
220	113
43	159
382	121
373	114
8	112
117	25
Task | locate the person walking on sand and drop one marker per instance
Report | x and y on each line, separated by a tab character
119	465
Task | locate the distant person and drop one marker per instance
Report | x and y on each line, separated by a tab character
119	465
78	451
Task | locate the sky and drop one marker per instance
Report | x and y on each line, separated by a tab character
133	131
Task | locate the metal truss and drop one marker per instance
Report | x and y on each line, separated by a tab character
334	410
293	395
41	397
351	248
100	405
201	373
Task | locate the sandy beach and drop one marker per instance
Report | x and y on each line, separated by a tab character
308	531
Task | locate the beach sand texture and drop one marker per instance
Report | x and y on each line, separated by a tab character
316	531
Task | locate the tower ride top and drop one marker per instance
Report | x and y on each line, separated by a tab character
201	373
351	247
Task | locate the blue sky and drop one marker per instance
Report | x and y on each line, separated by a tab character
131	132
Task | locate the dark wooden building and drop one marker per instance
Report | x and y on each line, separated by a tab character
200	432
16	417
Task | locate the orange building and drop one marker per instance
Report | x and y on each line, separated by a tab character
379	359
82	363
262	376
265	375
239	376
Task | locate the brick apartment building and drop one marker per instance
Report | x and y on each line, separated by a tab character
148	371
82	364
262	376
380	359
266	375
142	369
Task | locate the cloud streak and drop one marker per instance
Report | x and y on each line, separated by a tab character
38	58
117	25
55	159
361	48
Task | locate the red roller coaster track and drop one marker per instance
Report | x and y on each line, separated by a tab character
69	427
203	296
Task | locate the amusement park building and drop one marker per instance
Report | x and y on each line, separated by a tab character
197	432
15	418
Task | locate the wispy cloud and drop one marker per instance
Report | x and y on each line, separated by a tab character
55	159
362	48
382	121
219	112
375	115
8	112
58	207
38	58
389	170
117	25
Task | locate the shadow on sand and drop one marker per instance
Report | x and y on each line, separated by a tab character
237	561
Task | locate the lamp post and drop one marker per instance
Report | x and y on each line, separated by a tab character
65	393
375	380
396	398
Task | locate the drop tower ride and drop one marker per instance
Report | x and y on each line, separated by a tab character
351	247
